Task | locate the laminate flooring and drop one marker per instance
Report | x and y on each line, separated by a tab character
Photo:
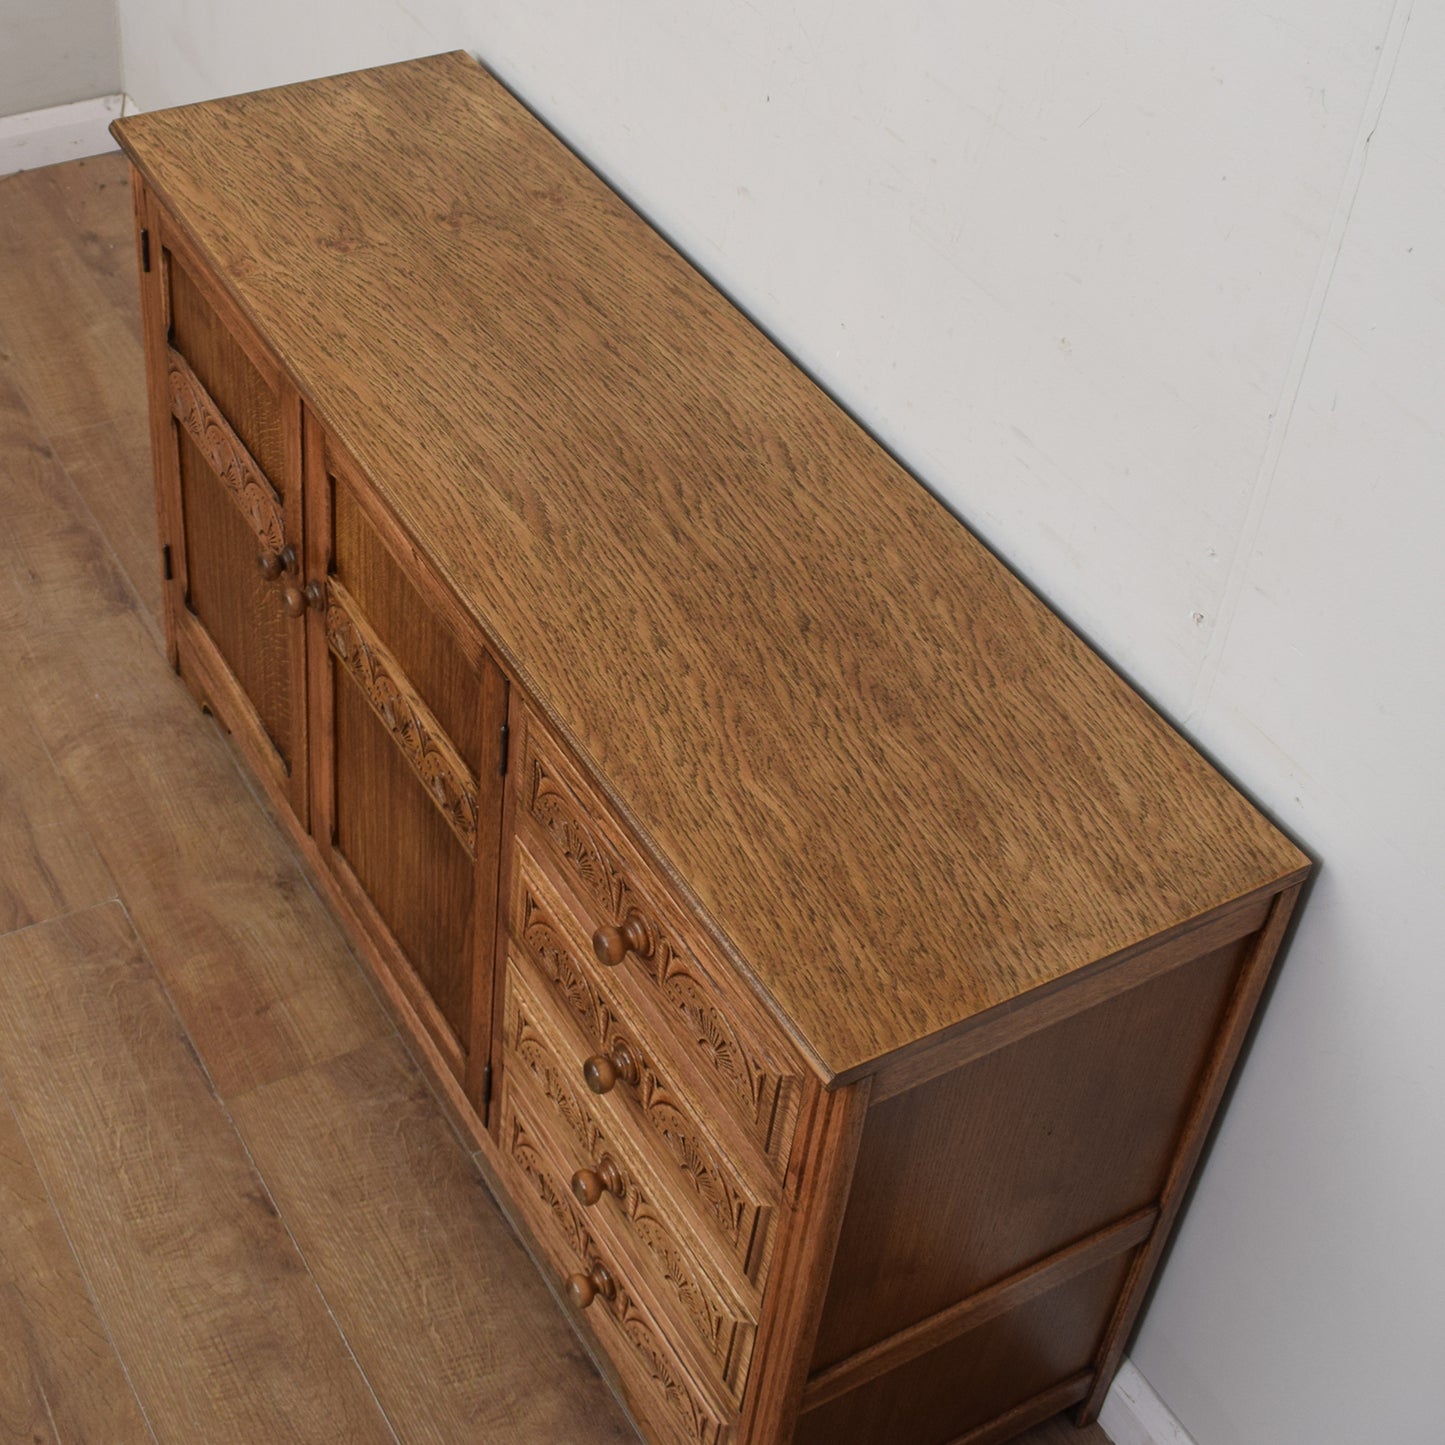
230	1208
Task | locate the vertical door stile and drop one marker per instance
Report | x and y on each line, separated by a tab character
316	495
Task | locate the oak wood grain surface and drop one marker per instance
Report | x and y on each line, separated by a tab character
881	766
998	1164
263	985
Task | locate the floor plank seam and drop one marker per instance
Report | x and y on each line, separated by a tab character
306	1264
79	1266
87	514
432	1314
256	1172
61	917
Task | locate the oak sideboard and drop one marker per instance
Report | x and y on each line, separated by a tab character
837	964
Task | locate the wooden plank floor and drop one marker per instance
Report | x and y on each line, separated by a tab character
230	1210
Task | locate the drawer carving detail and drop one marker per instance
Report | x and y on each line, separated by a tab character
623	1306
529	1046
524	1151
546	945
761	1091
447	779
722	1327
550	801
192	406
638	1329
549	948
712	1033
708	1319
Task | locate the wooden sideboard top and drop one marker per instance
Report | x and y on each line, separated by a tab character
898	786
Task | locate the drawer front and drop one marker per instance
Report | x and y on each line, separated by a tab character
653	957
645	1096
638	1223
670	1403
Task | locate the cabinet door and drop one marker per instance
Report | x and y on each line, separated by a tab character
408	803
226	436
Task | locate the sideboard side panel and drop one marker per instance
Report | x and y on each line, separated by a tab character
1002	1162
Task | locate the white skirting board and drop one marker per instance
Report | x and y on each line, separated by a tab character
59	133
1134	1415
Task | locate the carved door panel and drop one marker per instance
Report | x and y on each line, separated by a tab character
407	808
226	436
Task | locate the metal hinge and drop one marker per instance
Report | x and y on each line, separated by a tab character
506	748
166	572
145	250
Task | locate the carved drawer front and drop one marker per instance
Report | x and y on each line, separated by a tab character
617	1062
669	1401
653	957
623	1205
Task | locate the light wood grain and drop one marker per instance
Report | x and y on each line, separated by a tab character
81	214
50	866
56	570
70	380
415	1260
60	1377
750	619
84	207
109	465
228	1339
256	964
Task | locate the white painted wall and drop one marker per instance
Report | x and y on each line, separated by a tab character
1154	294
56	51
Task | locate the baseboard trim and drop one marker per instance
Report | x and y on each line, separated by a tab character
1134	1415
58	133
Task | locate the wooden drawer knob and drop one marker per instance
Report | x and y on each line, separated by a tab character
612	944
273	564
590	1184
602	1071
582	1289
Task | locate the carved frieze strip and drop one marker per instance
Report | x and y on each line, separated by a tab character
448	781
252	492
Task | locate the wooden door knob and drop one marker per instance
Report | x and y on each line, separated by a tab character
590	1184
612	944
270	565
602	1071
582	1289
293	599
315	594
